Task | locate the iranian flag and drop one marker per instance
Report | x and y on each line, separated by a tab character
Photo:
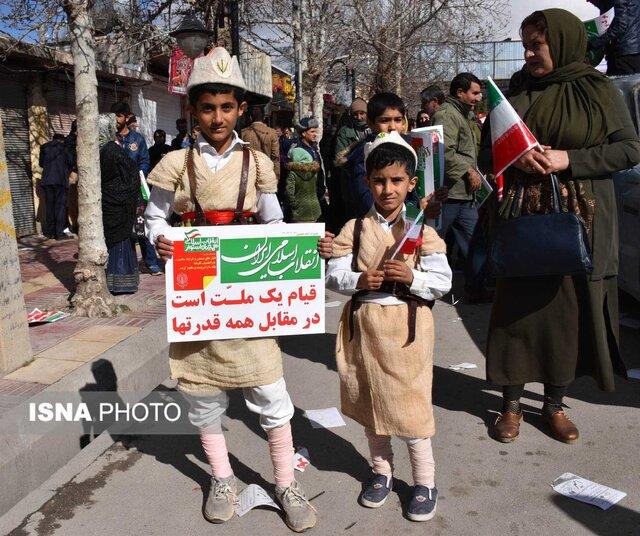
510	137
413	220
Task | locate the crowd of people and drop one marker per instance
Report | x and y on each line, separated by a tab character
547	329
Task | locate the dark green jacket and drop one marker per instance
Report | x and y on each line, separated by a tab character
460	146
347	135
302	191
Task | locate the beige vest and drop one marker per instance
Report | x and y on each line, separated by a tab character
206	367
215	190
385	384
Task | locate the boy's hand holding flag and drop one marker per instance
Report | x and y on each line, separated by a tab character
413	223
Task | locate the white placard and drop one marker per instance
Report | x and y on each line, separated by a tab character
244	281
428	142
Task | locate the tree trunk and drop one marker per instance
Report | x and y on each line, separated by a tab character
15	347
92	298
317	105
385	76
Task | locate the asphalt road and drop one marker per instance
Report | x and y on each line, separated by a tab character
155	485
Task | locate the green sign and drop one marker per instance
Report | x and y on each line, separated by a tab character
269	259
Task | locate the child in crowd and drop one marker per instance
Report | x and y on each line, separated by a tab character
386	112
302	186
384	346
220	181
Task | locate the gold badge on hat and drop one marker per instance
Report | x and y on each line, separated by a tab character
217	67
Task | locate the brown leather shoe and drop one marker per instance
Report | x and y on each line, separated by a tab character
507	427
561	427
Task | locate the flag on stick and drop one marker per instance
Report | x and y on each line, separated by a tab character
144	188
413	221
510	137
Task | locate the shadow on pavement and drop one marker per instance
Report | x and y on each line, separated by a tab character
618	520
318	348
328	451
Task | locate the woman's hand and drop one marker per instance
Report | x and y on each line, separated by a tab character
325	245
534	161
370	280
397	271
558	160
164	247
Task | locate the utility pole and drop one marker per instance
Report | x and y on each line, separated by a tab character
15	347
297	54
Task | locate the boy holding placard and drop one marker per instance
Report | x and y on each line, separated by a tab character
384	346
220	181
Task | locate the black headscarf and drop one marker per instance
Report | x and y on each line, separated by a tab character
120	187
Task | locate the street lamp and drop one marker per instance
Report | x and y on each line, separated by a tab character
192	36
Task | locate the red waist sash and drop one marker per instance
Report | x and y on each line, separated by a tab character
218	217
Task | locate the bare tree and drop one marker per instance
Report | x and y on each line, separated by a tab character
405	39
270	23
71	18
394	45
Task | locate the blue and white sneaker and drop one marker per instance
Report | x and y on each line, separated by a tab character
423	504
376	491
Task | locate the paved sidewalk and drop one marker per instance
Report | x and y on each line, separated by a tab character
63	346
156	484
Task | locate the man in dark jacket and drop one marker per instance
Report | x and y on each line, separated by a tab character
55	161
131	141
621	41
182	137
159	147
263	138
355	127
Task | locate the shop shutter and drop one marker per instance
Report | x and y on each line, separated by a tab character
61	106
13	107
156	108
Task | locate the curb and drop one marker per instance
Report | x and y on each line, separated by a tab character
134	367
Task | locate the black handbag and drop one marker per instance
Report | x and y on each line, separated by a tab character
541	244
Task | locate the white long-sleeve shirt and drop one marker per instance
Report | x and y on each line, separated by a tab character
160	206
432	281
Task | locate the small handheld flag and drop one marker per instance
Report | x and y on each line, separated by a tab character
414	219
510	136
144	187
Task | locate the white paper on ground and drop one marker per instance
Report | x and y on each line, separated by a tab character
634	373
463	366
629	321
581	489
252	496
325	418
301	460
332	304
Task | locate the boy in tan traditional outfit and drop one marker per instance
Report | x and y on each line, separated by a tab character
384	347
220	181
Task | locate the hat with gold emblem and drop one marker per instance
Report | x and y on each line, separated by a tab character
217	67
391	137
